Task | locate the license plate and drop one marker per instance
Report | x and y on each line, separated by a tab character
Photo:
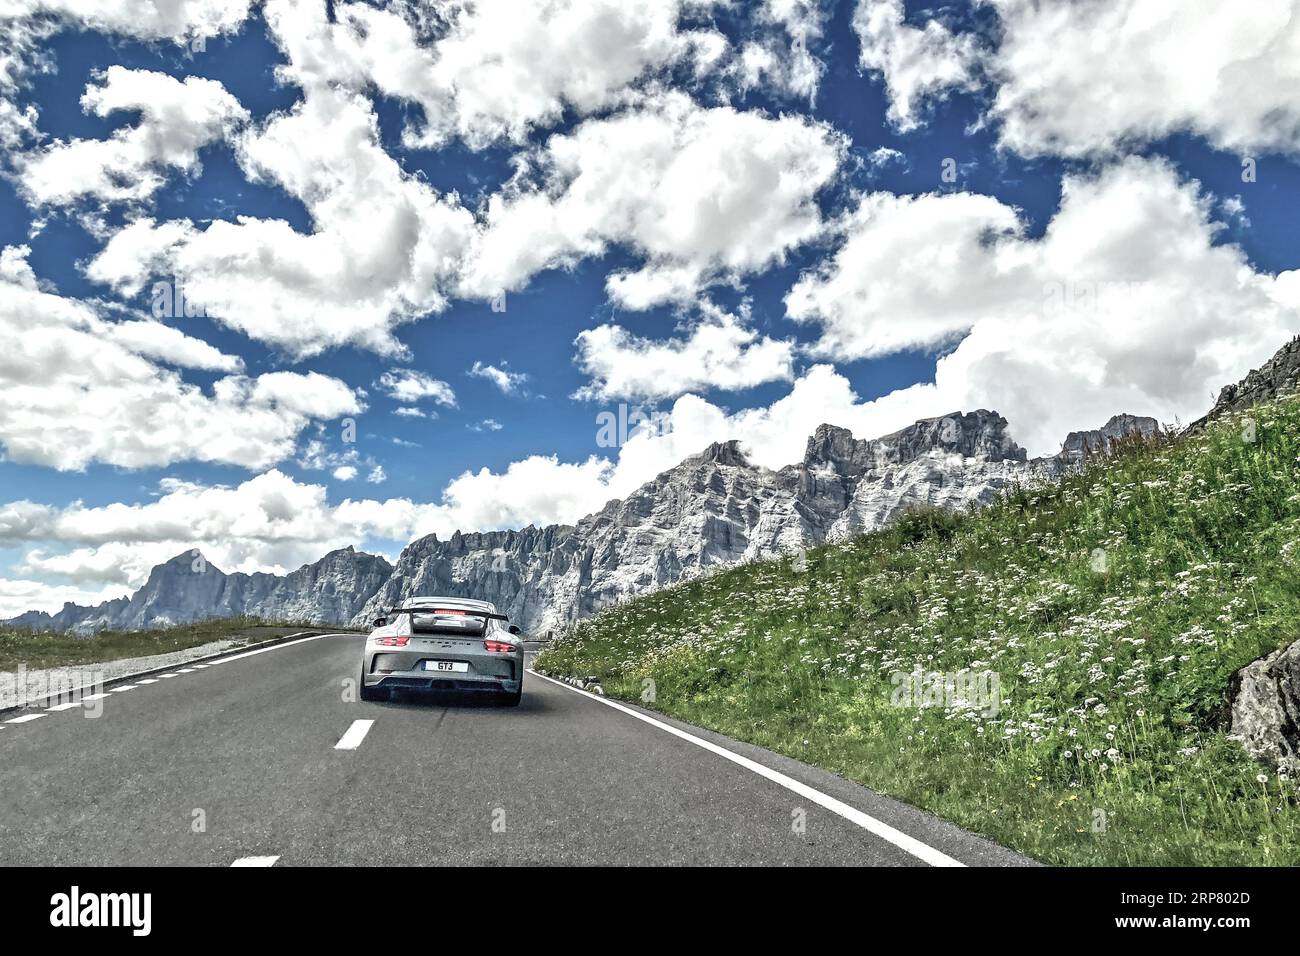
456	667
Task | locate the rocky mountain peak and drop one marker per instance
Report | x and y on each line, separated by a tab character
834	446
1080	445
186	564
723	453
1276	377
978	434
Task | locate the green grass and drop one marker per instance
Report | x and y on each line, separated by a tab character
1112	663
41	650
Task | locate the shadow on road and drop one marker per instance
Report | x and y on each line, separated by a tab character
405	698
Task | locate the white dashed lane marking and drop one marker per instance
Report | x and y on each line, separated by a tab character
68	706
356	733
149	680
24	718
255	861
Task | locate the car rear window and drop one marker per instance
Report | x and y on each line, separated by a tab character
447	622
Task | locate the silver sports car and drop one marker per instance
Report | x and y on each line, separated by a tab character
444	643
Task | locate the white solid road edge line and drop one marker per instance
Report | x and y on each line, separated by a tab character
922	851
356	733
273	647
255	861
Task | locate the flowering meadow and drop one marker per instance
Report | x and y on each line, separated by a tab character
1111	607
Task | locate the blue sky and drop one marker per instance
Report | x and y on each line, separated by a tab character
875	292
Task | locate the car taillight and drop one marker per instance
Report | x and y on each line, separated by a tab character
392	641
498	647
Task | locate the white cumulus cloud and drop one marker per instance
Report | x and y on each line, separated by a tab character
26	24
779	57
78	390
699	194
507	381
491	70
175	20
720	351
177	118
409	385
1098	78
1127	302
1079	79
916	62
383	249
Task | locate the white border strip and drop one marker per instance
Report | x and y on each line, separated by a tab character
898	838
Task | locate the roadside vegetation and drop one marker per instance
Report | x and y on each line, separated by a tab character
1110	609
43	650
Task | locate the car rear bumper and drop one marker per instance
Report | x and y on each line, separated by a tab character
496	674
459	683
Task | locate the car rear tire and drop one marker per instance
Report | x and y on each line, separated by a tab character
371	693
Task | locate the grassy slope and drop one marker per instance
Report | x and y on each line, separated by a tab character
60	650
1112	672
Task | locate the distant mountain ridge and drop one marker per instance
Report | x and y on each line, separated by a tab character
188	588
713	509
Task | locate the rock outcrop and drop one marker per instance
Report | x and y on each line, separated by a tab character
1080	446
1265	702
1276	377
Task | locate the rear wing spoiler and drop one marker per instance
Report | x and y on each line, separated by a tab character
448	611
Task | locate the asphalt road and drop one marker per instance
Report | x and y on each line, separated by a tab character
240	759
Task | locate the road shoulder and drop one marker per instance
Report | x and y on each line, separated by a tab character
962	845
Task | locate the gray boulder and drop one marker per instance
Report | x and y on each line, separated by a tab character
1265	702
